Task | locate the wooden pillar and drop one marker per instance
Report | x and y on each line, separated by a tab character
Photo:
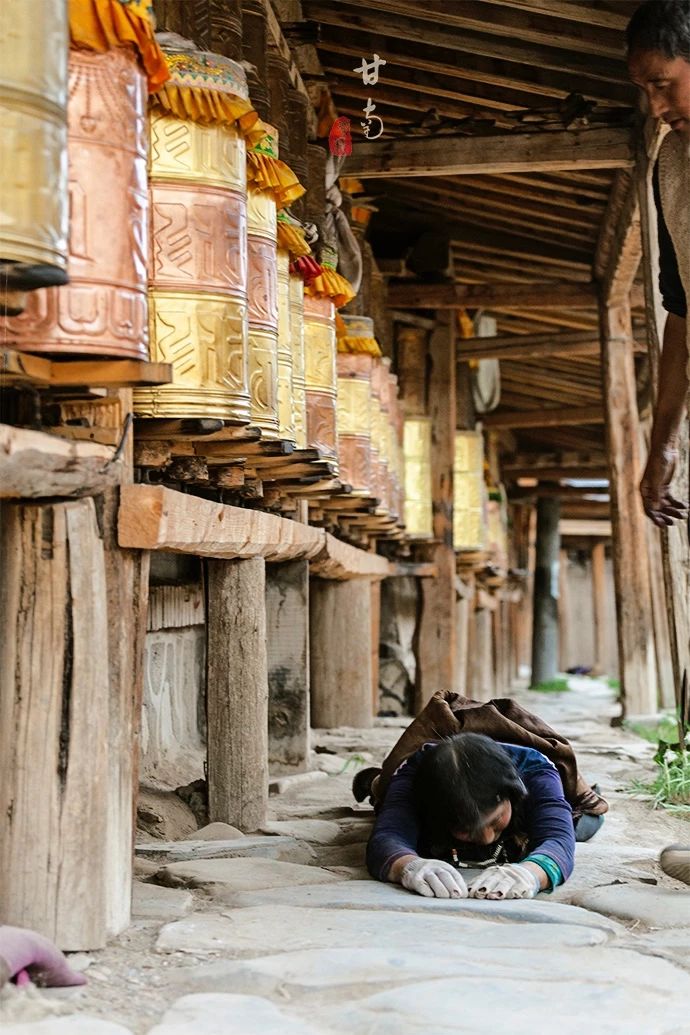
237	693
564	617
599	608
464	614
481	667
630	558
55	807
340	653
287	639
545	624
674	543
375	638
436	651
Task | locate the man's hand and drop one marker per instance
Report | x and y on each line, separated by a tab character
510	881
433	878
30	955
659	505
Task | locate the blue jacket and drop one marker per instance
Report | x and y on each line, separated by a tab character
548	816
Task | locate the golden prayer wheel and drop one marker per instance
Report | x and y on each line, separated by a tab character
354	421
33	159
379	433
299	404
469	523
103	310
320	374
199	268
286	423
418	502
263	312
394	447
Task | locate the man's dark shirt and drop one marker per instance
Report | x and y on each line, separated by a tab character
670	284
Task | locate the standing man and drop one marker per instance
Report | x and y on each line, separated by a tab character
658	39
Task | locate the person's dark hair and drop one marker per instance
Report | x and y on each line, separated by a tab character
462	781
662	25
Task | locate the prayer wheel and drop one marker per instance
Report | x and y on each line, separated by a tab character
469	523
103	309
379	435
418	503
320	374
198	272
33	159
263	312
299	403
286	421
395	424
354	421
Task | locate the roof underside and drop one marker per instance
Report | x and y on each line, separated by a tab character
482	68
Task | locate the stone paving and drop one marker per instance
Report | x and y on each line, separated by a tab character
291	937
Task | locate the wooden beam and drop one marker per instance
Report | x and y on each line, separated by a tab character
156	518
558	295
34	464
556	473
547	418
619	247
583	528
528	346
570	10
508	153
17	367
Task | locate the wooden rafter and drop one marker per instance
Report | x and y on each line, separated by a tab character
526	296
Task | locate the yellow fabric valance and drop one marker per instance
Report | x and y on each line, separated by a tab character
291	238
102	25
330	284
359	346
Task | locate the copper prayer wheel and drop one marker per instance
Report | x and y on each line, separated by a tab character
320	374
103	310
395	451
418	503
299	404
286	425
198	270
33	158
379	437
354	421
263	312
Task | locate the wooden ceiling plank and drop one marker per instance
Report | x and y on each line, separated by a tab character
452	296
531	346
610	17
512	152
545	418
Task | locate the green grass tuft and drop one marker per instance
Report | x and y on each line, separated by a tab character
552	686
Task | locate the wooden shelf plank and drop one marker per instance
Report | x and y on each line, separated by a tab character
23	367
153	517
34	464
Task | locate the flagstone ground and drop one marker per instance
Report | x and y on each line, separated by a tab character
291	936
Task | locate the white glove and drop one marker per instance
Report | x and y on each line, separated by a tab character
510	881
433	878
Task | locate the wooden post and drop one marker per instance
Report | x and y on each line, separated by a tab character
464	614
375	638
340	653
630	558
481	675
436	651
599	608
237	693
287	636
564	616
675	547
55	807
545	624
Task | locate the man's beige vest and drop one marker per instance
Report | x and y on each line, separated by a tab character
674	186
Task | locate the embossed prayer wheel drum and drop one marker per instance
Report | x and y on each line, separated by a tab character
299	403
418	503
286	423
102	311
255	52
354	421
395	450
379	435
33	158
262	230
320	374
199	270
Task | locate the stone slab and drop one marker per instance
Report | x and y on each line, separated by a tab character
653	907
369	894
75	1024
218	832
154	902
242	874
264	847
261	929
230	1015
283	784
317	831
337	972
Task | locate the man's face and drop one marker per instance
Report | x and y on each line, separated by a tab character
665	83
